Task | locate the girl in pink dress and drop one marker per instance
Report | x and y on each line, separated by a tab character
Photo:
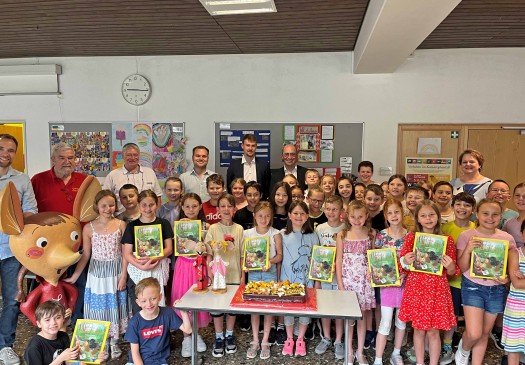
185	275
352	268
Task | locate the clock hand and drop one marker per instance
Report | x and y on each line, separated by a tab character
137	89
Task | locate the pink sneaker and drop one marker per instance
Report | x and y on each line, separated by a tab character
288	347
300	347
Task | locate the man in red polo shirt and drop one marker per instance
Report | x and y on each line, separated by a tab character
55	191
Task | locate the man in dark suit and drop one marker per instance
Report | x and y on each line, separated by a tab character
249	167
289	158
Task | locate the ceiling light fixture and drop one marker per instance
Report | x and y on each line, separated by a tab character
232	7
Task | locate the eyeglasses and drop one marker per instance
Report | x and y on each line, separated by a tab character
298	197
499	191
317	201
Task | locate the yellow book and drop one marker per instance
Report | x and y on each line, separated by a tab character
429	250
187	234
382	264
322	263
256	253
490	260
148	241
91	336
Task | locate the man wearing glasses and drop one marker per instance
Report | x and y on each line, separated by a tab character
55	191
9	265
56	188
142	177
289	158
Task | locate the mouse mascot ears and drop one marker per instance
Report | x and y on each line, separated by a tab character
12	217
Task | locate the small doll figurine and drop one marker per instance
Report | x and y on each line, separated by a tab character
218	266
202	249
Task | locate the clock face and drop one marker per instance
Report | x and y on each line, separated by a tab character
136	89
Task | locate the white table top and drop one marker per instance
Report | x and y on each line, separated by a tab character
330	303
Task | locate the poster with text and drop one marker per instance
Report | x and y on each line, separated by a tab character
431	169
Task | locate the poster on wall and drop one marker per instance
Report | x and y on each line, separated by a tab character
92	149
231	140
308	141
431	169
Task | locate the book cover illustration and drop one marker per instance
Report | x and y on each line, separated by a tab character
490	260
256	253
429	250
322	263
382	264
91	336
187	234
148	241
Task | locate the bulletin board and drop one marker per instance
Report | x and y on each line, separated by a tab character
98	146
329	141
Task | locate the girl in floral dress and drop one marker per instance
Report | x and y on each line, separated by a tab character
105	296
352	244
427	301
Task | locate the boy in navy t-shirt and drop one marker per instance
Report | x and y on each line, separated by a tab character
149	330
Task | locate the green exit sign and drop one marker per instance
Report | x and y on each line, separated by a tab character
454	134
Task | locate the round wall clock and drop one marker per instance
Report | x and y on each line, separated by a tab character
136	89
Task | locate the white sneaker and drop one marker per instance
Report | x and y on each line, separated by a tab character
201	345
9	357
186	347
461	356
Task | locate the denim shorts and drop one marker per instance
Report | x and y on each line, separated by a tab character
265	276
489	298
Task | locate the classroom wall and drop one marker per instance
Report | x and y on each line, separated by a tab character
433	86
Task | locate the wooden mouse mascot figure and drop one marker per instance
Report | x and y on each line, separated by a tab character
47	244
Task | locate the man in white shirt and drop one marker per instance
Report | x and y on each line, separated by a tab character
142	177
249	167
194	181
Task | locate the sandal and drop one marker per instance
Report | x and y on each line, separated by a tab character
265	352
252	351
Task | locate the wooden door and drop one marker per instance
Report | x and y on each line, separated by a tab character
408	136
504	154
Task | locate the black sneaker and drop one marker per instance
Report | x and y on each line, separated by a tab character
496	337
218	347
280	336
370	339
310	334
231	347
245	322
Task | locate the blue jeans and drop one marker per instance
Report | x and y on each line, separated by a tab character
9	318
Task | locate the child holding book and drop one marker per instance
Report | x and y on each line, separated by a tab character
463	205
50	346
105	296
513	338
280	199
352	243
153	318
298	240
186	275
129	198
142	267
215	188
263	219
327	233
427	301
227	230
482	299
390	297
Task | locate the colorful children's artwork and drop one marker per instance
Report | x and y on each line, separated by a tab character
382	264
429	250
256	253
187	234
148	241
322	263
91	335
490	260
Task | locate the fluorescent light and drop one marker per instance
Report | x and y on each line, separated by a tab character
229	7
243	11
18	70
235	2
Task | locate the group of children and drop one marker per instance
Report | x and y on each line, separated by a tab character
352	217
